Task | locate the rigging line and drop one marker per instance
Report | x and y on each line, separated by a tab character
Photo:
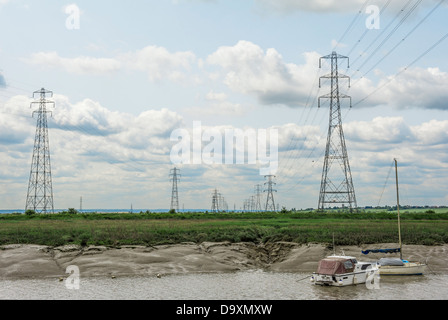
382	32
385	183
403	70
351	24
390	34
402	40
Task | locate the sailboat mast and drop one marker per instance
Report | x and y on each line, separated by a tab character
398	209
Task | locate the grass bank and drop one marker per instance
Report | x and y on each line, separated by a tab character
113	229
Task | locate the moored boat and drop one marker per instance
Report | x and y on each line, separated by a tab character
342	271
397	266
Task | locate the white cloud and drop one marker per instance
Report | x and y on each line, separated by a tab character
372	146
157	62
13	132
379	131
100	153
79	65
217	104
434	132
94	152
248	69
417	87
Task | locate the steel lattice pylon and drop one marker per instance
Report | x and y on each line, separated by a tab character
215	201
175	177
336	184
258	198
270	203
40	190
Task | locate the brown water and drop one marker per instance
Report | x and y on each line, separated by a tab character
248	285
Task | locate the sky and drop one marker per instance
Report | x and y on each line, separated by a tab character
128	76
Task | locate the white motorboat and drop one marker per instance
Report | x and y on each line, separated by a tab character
342	271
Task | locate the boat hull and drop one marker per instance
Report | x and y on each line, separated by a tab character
342	280
407	269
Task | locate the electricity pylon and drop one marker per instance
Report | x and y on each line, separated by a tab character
258	198
336	184
270	203
40	191
175	177
215	201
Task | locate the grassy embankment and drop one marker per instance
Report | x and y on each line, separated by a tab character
163	228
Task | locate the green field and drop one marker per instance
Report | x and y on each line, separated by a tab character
164	228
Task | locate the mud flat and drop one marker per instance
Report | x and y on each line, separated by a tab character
34	261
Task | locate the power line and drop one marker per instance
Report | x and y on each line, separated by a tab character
382	32
391	33
403	70
403	39
367	30
351	24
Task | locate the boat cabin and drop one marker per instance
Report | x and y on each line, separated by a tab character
336	265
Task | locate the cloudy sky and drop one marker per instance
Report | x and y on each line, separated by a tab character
127	74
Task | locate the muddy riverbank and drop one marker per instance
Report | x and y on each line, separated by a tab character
22	261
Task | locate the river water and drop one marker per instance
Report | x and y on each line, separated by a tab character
247	285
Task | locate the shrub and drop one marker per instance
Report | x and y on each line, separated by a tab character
30	212
72	211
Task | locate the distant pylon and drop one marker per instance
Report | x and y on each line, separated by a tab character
270	203
223	203
252	203
215	201
258	198
336	184
40	191
175	177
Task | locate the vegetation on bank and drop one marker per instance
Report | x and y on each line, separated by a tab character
146	228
